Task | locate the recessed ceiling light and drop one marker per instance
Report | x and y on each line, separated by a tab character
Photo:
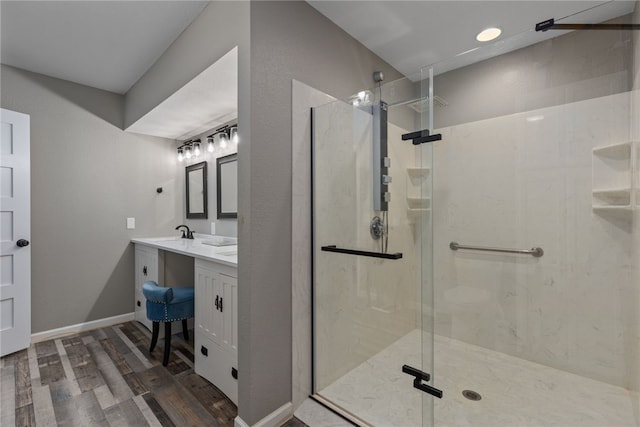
488	34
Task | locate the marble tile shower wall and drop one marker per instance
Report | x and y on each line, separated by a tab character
525	180
362	304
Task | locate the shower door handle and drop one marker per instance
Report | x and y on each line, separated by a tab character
419	376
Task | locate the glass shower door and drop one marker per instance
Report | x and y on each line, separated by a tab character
424	157
535	231
371	256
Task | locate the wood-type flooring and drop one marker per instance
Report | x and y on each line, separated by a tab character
106	377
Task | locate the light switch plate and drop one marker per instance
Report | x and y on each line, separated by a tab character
213	228
131	223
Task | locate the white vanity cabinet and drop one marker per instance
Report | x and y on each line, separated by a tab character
149	266
215	273
216	333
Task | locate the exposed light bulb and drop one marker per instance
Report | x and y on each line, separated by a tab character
361	98
180	156
223	140
196	149
210	144
234	135
187	152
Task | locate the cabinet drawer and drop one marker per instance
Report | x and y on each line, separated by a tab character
214	364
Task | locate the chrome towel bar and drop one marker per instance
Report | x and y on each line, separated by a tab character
536	252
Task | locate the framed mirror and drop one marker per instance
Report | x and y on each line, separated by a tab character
196	180
227	186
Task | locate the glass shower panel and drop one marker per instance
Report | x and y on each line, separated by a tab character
368	310
423	175
540	149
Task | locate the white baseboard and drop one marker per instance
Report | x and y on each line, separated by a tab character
80	327
274	419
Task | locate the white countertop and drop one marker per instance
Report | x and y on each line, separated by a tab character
227	255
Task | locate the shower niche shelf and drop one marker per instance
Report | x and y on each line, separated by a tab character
414	214
613	179
417	202
418	173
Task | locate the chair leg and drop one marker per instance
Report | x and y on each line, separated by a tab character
185	329
167	342
154	335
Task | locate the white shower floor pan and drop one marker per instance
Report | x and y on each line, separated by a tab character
514	392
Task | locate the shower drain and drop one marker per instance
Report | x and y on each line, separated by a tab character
471	395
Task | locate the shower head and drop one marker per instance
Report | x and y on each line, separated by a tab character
422	105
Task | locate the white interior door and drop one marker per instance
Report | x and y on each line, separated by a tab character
15	216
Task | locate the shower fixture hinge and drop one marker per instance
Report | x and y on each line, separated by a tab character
421	137
420	376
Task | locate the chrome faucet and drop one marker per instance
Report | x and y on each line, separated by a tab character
185	235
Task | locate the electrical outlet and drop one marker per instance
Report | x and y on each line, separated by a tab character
213	228
131	223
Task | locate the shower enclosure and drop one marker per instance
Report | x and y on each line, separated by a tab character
496	279
367	301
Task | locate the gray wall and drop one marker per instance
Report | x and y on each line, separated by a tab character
87	177
289	40
577	66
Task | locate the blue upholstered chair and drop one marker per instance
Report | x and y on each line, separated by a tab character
167	305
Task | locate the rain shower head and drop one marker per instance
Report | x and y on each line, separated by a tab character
422	105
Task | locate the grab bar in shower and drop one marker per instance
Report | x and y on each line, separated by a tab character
536	252
334	248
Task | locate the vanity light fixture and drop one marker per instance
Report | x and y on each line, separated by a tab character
488	34
224	139
189	149
225	134
234	135
196	147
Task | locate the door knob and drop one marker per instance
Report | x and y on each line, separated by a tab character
22	243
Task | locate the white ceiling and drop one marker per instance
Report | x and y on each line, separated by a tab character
208	101
111	44
413	34
105	44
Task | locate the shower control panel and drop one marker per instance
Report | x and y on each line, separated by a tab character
381	159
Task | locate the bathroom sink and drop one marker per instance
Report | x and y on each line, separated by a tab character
228	253
220	241
163	239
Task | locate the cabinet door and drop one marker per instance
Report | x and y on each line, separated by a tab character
146	265
216	335
229	309
208	316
